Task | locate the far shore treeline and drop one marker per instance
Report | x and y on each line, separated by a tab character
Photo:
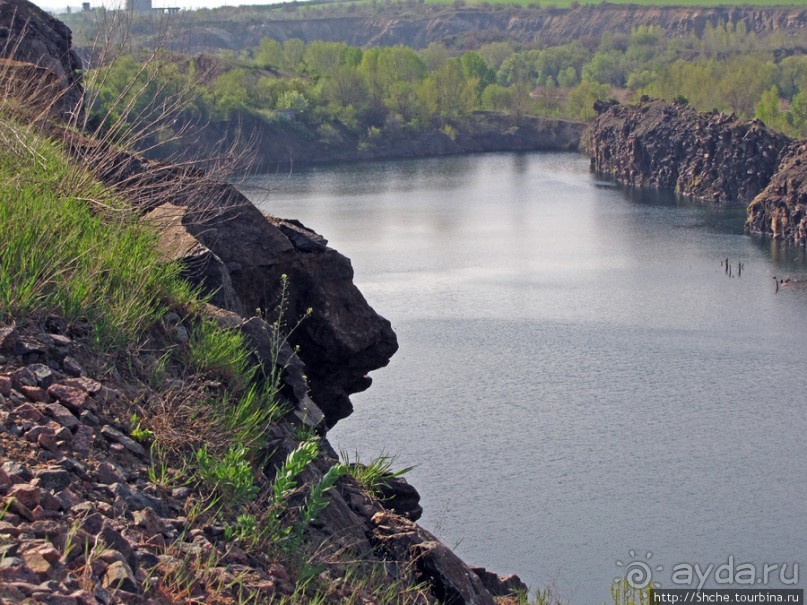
329	90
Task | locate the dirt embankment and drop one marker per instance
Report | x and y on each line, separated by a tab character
470	27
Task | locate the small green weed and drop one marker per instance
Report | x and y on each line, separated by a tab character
304	433
245	527
231	477
623	593
295	463
315	501
140	433
248	418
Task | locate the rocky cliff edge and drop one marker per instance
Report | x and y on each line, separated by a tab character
712	156
89	514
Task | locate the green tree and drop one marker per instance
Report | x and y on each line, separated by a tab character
402	101
797	117
293	100
496	97
768	109
350	56
520	100
400	64
434	56
321	57
344	87
605	68
269	53
552	61
456	96
792	75
743	81
293	53
474	66
495	53
580	103
516	68
230	93
567	77
371	72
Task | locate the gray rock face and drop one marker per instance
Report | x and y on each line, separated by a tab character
449	578
200	265
780	210
711	156
43	42
340	341
471	26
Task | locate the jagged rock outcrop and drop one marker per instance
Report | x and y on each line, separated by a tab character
242	259
708	155
28	35
781	209
341	340
712	156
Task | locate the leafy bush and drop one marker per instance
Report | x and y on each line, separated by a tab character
230	477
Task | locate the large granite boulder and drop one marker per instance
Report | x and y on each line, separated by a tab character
341	338
28	35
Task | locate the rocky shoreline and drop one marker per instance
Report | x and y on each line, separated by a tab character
283	144
84	519
715	157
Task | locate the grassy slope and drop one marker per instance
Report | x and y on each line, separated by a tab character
70	248
96	267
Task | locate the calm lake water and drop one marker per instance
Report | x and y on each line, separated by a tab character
579	380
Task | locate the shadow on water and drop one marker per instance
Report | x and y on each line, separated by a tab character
785	256
718	218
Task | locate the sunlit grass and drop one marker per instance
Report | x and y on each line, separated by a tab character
71	249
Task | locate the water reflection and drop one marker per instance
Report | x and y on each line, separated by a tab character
577	375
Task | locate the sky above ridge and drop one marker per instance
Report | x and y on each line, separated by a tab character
59	6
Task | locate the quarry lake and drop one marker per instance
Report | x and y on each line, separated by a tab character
583	387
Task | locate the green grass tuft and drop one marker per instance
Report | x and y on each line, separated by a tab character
99	269
221	352
373	475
